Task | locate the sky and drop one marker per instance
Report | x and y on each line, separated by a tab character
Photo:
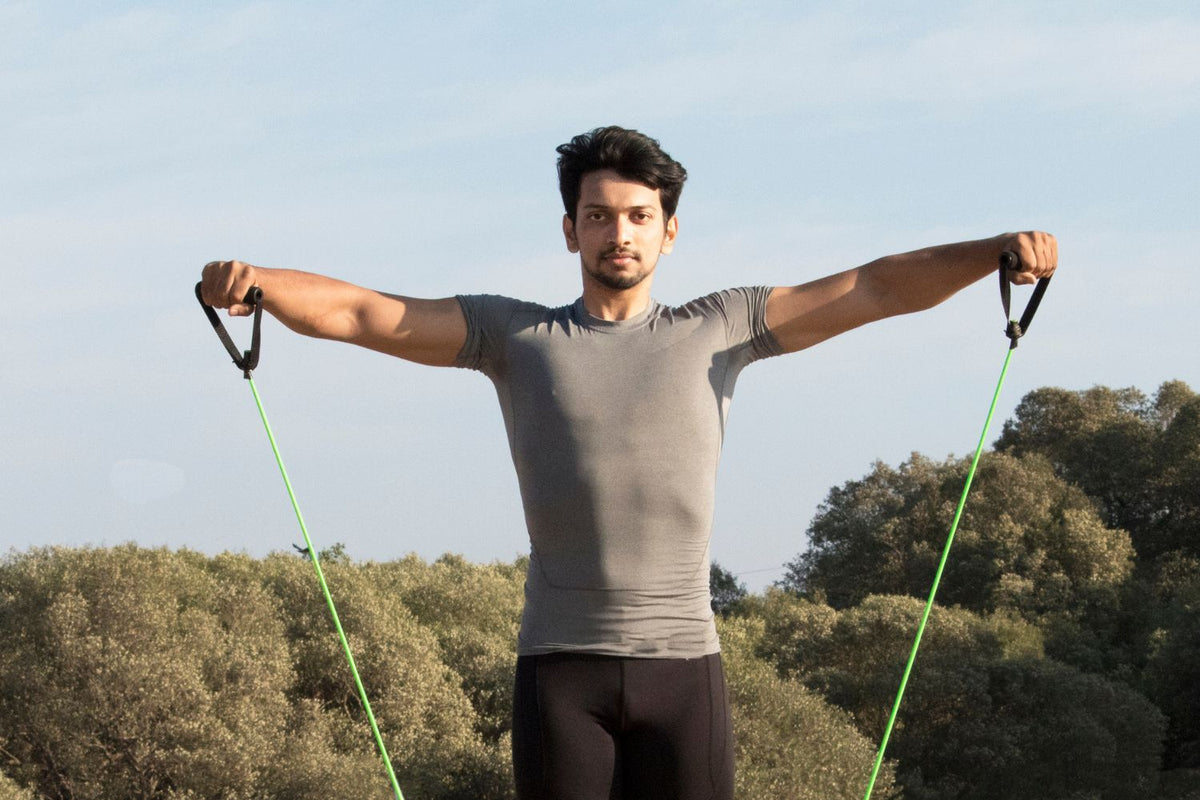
409	147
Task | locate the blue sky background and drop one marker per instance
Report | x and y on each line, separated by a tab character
410	147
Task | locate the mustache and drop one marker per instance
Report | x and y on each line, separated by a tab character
620	253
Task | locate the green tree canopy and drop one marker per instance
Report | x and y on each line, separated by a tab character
135	676
1173	671
150	674
426	719
1028	541
790	742
726	590
985	716
1138	457
474	610
170	675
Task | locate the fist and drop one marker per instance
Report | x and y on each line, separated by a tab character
1037	255
224	284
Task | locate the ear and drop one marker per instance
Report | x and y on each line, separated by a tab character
569	235
669	238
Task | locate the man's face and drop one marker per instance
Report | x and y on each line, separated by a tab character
619	230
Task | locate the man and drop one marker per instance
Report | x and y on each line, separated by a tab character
615	408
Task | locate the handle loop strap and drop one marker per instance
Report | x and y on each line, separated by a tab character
246	361
1016	329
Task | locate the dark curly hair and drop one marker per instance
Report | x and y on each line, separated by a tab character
630	154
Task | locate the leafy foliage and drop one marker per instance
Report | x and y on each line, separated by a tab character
1062	656
1084	524
150	674
1138	458
1173	669
474	612
790	742
135	676
10	790
401	665
726	590
984	716
1027	541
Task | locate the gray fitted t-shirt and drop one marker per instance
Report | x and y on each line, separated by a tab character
615	430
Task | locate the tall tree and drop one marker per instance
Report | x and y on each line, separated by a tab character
1138	457
726	590
1173	670
1028	541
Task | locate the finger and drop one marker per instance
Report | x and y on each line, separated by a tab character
222	281
1040	255
241	279
1047	259
1017	270
235	278
1028	244
1037	254
1051	254
211	283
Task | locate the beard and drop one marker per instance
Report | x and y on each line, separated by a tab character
618	281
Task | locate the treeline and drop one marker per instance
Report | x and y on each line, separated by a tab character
1062	663
1064	658
135	673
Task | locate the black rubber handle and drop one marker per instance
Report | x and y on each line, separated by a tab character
245	361
1009	262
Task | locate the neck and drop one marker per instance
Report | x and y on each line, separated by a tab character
614	305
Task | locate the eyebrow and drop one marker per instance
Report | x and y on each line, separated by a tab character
604	206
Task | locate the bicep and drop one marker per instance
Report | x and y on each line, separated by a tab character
804	315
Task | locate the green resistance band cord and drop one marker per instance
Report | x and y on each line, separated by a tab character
1015	330
247	361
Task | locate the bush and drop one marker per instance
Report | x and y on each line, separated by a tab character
150	674
424	717
790	743
475	613
10	790
984	716
137	675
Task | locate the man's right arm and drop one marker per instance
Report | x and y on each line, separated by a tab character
425	331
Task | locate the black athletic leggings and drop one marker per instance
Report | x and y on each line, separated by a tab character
588	727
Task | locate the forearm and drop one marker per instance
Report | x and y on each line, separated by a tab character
920	279
426	331
801	316
313	305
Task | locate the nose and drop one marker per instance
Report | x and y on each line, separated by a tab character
621	231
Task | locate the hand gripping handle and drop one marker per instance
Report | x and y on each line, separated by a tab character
248	360
1009	262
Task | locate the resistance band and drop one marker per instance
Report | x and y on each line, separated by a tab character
246	362
1014	331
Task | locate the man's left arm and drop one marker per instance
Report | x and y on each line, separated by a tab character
804	315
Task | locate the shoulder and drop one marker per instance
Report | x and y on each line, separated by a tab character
743	313
497	301
494	309
739	301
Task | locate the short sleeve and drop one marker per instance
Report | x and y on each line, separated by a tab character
489	319
744	311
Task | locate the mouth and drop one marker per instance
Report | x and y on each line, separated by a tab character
620	257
